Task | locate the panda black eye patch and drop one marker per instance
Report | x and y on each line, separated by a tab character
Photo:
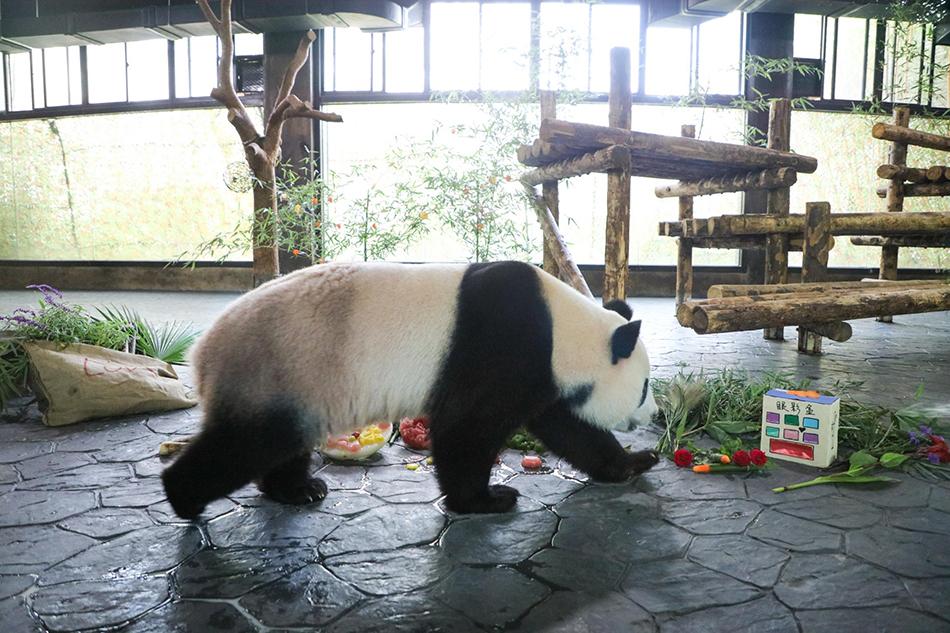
643	394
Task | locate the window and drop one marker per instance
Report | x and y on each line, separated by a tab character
106	66
36	69
353	57
19	81
505	44
203	65
405	71
147	70
454	40
3	82
565	46
720	53
612	25
808	36
668	61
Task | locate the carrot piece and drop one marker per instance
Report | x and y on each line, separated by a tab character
701	468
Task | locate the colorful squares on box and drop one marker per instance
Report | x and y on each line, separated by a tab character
800	426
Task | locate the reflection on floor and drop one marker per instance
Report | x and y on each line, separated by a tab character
87	540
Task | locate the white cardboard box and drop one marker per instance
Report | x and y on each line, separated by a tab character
800	427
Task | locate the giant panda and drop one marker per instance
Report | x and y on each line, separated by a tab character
481	349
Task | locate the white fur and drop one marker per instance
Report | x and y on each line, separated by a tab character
582	356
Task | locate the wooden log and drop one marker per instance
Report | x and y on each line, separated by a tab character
732	158
895	199
765	179
814	263
900	133
684	246
919	190
745	242
541	153
809	308
838	331
616	241
778	204
569	273
907	241
608	159
901	172
824	287
929	223
935	173
549	189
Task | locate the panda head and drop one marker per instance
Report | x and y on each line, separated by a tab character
621	397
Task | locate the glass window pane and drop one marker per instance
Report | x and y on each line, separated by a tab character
506	31
20	82
454	46
106	66
404	61
75	76
807	42
667	61
148	70
39	96
182	72
204	65
829	67
3	87
613	25
565	46
248	44
850	58
353	52
719	50
376	50
57	77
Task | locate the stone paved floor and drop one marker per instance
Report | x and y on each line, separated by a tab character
88	542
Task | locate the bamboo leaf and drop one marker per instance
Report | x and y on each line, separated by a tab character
893	460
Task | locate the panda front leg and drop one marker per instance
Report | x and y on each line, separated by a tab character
464	451
593	450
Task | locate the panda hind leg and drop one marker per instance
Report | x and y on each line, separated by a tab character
593	450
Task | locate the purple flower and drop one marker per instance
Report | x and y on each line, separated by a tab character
926	430
914	437
46	289
933	458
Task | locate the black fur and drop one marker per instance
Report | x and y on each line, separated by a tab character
621	307
496	375
624	340
238	447
594	450
643	394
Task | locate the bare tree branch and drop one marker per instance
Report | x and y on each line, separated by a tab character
296	63
211	17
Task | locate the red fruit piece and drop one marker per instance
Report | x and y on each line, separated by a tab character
741	458
415	433
682	457
531	462
758	457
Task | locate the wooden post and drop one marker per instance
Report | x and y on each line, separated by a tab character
549	189
777	203
814	263
617	248
684	245
895	199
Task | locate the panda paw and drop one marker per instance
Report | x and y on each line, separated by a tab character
641	461
631	465
497	498
311	490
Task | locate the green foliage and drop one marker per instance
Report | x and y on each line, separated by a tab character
168	342
522	440
726	406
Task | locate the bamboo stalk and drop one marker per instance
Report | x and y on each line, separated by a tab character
610	158
793	310
920	190
765	179
729	157
901	172
569	272
929	223
902	134
907	241
935	173
822	287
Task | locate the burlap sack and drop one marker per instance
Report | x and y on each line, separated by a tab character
80	382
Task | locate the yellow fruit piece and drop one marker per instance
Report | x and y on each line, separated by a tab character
370	437
412	466
429	461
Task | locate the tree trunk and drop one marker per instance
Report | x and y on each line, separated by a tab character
265	219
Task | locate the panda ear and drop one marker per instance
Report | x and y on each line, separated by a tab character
624	340
621	307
